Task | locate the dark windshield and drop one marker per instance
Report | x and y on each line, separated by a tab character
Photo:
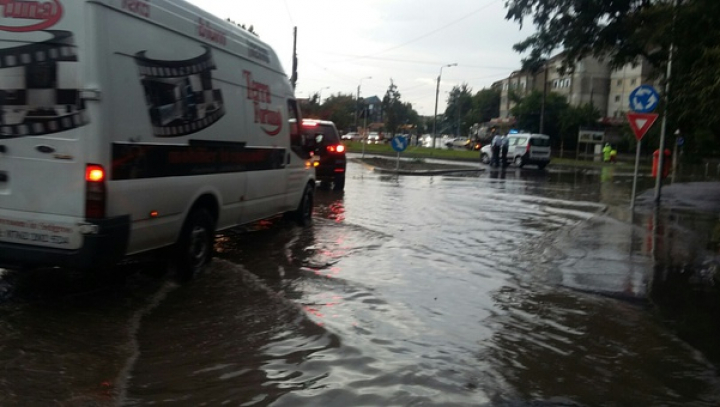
330	136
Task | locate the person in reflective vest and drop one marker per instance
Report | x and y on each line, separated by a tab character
606	152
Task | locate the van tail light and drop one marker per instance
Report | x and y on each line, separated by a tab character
527	148
95	192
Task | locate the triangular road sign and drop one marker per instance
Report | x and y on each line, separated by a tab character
640	123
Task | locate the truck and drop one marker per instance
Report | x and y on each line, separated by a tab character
130	127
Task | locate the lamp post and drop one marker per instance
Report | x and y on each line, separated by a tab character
320	94
358	99
437	92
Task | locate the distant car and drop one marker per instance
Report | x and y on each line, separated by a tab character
351	136
463	143
331	161
374	138
525	148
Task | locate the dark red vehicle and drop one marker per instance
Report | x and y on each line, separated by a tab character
330	152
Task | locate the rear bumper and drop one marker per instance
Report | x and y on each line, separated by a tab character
101	249
330	168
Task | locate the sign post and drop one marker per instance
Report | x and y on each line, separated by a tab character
640	123
399	144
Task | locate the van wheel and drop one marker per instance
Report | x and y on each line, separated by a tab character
303	214
339	182
519	162
195	247
485	159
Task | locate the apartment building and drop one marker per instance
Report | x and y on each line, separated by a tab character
591	81
623	81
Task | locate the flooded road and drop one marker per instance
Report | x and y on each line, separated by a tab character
512	288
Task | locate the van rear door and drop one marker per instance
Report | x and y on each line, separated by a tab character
42	117
539	147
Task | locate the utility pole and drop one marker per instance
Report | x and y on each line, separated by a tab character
437	93
661	150
294	77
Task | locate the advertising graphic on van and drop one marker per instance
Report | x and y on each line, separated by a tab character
35	98
259	93
24	16
179	94
139	7
205	30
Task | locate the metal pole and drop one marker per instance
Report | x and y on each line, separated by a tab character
661	158
637	165
437	93
542	105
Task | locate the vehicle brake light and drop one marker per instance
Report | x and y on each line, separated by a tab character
94	173
336	149
95	192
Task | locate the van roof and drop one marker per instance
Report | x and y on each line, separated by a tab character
194	22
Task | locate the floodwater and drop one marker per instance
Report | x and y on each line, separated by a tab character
501	288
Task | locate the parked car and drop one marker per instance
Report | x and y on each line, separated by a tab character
353	136
524	148
330	162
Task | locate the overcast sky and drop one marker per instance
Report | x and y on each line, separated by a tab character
342	42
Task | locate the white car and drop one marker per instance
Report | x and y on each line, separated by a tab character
525	148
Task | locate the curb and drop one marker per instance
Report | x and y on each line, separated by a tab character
416	172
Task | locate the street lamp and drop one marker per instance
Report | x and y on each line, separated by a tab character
358	99
320	94
437	92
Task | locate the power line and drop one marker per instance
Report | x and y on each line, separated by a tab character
465	17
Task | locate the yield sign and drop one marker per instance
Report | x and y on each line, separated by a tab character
641	123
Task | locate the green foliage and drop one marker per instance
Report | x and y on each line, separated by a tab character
572	119
623	30
486	105
528	112
459	111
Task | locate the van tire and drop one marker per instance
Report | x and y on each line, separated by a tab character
339	182
194	249
303	214
485	159
519	162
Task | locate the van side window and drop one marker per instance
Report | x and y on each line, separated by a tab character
522	141
294	124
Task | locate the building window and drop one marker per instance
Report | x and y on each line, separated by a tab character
617	98
632	82
619	82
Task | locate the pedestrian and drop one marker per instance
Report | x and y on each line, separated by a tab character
606	152
613	155
504	146
495	147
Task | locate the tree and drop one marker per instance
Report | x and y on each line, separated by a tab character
572	119
623	30
250	29
340	109
527	114
486	105
396	112
459	111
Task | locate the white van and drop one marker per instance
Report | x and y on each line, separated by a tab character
524	148
128	126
